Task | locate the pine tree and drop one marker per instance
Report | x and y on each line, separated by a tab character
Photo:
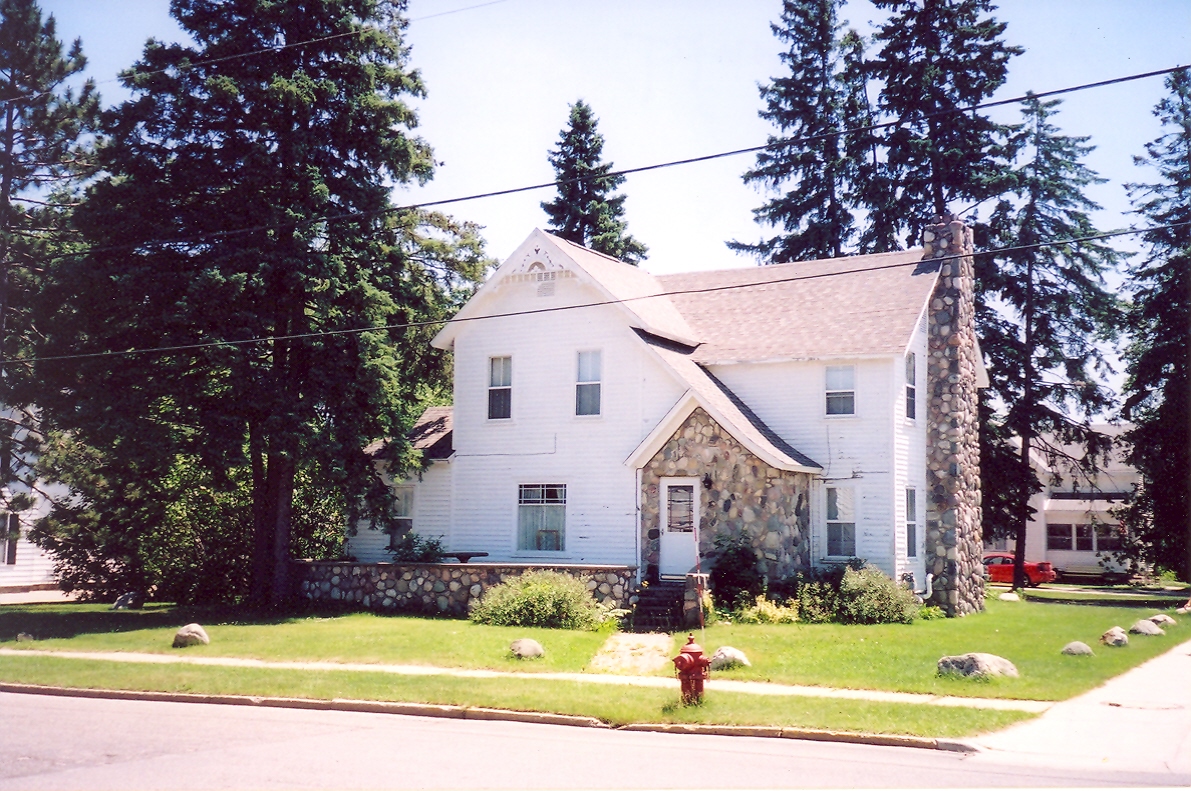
1045	354
42	162
937	56
808	103
249	198
1158	385
585	211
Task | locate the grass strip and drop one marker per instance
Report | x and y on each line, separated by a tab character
621	706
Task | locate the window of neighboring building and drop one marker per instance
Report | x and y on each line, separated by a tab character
841	523
911	389
500	387
403	515
1058	537
541	517
911	523
587	384
13	535
1083	538
1108	538
841	390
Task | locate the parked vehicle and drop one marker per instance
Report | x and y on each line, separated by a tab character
999	566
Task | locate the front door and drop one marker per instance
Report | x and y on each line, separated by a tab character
679	526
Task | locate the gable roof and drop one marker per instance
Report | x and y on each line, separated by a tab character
705	390
432	434
854	306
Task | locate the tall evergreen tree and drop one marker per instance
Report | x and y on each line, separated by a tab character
1158	385
937	56
1045	355
44	124
249	198
816	95
585	211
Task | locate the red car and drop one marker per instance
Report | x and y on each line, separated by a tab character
1000	569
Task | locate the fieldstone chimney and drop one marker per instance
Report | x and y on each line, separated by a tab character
954	542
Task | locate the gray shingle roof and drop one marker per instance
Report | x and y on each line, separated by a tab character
860	305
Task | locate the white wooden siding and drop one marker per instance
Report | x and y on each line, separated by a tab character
431	517
909	438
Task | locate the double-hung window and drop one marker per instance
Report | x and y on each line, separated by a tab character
541	517
587	384
841	390
403	515
500	388
911	523
1059	537
911	386
841	523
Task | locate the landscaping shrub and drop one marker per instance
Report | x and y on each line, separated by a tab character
931	613
868	596
817	602
735	578
767	611
547	599
412	548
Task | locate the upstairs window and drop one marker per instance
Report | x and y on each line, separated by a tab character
911	523
841	391
587	384
541	517
841	523
500	388
911	386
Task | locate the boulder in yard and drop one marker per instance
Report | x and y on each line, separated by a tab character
1162	619
977	665
1115	637
1076	648
191	634
527	649
727	656
1183	610
132	600
25	637
1011	596
1146	626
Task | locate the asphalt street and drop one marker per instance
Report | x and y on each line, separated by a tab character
81	743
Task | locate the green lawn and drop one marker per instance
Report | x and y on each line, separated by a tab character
902	658
615	705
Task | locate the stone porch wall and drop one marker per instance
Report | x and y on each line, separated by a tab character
767	506
954	549
446	588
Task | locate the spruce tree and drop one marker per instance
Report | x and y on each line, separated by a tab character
585	211
1044	312
937	56
1158	385
42	139
815	96
249	198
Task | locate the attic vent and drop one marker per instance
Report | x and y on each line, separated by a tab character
545	283
922	324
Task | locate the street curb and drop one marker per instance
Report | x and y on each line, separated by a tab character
478	713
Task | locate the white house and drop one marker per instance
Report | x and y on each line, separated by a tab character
603	415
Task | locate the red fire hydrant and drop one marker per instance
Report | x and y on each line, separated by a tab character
692	671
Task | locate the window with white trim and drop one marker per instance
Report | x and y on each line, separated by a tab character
911	386
500	388
841	522
1084	537
911	523
541	517
587	384
403	514
841	390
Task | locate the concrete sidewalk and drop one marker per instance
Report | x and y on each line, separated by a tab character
1140	720
745	687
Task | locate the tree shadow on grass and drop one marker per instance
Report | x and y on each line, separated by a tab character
50	621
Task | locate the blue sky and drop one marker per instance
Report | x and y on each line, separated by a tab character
677	78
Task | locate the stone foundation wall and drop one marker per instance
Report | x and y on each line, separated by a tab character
767	506
441	588
954	548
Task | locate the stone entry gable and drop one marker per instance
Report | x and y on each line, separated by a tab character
771	507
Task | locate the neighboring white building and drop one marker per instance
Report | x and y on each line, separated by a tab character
604	415
24	566
1074	527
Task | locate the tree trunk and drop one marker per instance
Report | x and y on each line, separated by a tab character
282	468
262	527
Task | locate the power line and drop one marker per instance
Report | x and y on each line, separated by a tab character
263	50
361	215
599	303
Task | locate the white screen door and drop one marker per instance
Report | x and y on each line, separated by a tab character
680	525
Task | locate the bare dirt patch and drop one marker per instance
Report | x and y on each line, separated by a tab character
633	653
